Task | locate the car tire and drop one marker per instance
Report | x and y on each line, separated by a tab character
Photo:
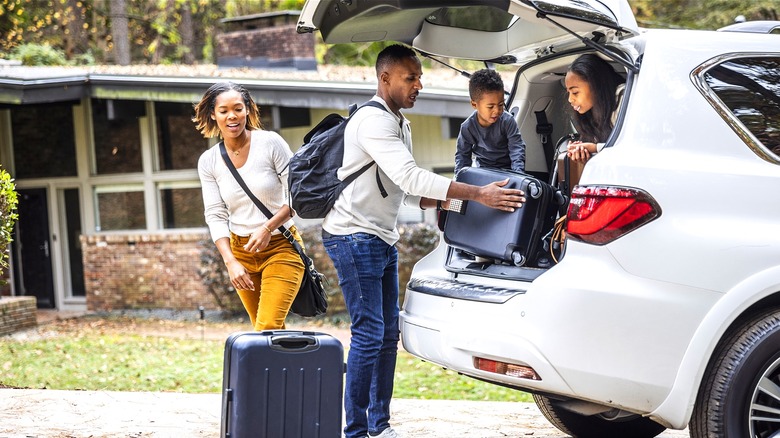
595	426
742	380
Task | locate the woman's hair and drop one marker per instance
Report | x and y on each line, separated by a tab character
205	108
596	124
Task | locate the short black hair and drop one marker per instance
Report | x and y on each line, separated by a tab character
484	81
392	55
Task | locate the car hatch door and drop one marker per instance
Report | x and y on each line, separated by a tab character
470	29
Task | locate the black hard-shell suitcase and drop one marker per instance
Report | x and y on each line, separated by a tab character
483	231
282	384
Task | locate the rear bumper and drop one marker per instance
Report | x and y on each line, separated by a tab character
613	339
450	334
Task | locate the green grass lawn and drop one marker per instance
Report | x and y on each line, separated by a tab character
131	362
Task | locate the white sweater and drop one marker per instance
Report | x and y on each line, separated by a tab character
226	206
381	136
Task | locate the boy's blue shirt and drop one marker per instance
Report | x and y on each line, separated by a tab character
500	145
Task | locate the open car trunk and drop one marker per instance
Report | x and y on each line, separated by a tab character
539	100
542	38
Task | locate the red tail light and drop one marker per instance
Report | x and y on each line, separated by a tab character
508	369
601	214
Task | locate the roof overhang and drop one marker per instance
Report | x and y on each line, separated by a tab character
280	92
37	91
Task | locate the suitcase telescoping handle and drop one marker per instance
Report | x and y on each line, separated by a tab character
294	342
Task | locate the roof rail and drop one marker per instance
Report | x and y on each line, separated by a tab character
759	26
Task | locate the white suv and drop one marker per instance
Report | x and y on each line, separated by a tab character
659	316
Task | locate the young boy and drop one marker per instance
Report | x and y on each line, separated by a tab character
490	134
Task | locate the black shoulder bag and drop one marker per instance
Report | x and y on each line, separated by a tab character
310	299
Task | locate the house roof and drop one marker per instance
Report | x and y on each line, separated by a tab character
445	92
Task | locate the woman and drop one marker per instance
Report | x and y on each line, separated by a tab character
264	268
595	91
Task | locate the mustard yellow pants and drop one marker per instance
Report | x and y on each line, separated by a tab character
276	272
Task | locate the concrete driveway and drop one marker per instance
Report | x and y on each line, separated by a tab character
26	413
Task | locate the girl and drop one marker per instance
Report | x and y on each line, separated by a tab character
595	91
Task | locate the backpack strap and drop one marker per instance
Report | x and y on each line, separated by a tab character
352	177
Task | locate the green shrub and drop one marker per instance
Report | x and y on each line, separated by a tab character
416	241
8	217
38	54
84	59
215	277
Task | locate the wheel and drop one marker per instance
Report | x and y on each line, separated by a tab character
740	392
615	424
596	426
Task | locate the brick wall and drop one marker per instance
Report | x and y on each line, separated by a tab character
17	313
144	272
278	46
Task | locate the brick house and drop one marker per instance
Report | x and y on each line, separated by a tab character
104	159
263	41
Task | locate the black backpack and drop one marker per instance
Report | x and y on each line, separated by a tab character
314	186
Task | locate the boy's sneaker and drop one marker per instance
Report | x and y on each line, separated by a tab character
387	433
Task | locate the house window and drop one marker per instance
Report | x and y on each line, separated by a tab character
452	127
294	117
179	144
117	135
43	141
181	204
120	207
74	262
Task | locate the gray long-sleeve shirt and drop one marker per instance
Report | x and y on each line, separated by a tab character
500	145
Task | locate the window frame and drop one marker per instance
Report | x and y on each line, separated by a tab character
697	76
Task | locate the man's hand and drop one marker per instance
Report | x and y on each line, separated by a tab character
495	196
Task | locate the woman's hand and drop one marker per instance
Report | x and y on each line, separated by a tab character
259	240
239	278
580	152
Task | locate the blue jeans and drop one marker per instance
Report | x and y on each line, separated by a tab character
368	276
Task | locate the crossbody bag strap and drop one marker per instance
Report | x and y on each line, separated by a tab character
282	229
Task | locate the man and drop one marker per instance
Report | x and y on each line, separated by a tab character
359	234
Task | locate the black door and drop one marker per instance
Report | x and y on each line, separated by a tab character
32	249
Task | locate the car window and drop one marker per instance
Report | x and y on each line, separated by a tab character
484	18
750	88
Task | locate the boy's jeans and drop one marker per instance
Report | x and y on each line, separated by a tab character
368	275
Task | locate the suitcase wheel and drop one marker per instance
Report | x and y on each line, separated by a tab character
518	259
534	191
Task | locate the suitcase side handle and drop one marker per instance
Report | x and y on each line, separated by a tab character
294	341
227	402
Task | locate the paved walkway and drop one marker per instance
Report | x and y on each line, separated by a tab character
33	413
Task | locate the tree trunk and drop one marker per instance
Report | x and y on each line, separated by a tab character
76	38
119	32
187	34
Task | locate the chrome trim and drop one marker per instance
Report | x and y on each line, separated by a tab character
697	77
448	288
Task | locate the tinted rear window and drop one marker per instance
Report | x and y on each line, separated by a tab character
750	88
484	18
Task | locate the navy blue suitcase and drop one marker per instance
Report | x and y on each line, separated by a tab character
486	232
282	384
